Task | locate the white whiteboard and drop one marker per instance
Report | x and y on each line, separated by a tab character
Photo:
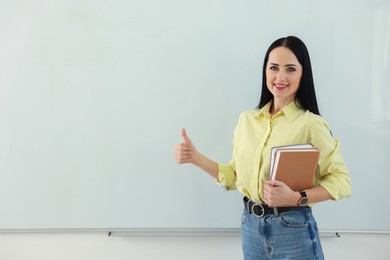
93	95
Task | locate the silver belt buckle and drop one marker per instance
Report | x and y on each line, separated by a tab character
261	207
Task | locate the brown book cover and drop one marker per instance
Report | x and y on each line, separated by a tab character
294	165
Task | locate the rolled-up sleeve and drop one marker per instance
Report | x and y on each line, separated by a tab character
227	175
332	172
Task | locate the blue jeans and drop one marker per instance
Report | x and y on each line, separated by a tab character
290	235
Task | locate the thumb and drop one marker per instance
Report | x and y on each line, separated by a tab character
187	140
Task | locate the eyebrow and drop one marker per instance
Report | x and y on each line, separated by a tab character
287	65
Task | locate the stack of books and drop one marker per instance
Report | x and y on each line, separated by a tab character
295	165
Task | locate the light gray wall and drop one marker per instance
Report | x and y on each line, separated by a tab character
65	145
93	95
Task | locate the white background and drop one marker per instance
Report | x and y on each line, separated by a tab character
93	95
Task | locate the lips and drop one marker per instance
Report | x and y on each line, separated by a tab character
280	86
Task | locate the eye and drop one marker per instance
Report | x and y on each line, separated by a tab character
291	69
273	68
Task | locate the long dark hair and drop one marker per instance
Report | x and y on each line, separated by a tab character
306	94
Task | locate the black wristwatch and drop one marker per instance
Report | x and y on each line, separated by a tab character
303	200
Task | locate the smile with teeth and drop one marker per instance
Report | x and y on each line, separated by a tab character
279	86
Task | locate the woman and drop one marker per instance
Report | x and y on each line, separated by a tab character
287	114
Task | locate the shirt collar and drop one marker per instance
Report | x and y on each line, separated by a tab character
264	111
291	111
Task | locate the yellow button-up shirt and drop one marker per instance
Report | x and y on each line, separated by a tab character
257	132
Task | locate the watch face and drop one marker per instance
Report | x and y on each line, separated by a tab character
303	201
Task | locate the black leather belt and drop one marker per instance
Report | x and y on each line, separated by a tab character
260	210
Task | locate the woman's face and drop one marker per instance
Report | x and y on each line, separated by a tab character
283	74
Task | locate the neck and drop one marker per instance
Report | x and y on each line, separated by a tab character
278	105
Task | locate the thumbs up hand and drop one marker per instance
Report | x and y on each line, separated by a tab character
184	152
187	153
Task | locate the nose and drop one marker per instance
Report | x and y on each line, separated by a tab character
281	76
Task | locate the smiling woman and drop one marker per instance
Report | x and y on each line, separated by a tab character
283	75
288	101
290	51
